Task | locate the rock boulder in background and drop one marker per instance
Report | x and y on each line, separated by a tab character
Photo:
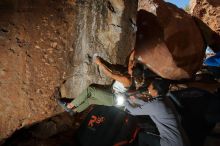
207	16
168	40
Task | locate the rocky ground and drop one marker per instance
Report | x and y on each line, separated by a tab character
55	131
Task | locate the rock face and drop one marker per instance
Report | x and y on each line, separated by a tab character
207	13
168	40
104	28
43	42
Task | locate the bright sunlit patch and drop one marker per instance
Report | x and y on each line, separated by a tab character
120	100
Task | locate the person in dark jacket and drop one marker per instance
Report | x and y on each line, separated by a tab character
162	112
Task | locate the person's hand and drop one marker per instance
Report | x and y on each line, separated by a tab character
70	105
132	98
97	60
130	67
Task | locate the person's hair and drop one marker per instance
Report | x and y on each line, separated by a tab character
138	70
161	85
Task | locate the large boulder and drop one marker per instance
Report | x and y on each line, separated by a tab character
207	16
44	42
168	40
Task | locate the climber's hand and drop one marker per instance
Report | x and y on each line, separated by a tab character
70	105
97	60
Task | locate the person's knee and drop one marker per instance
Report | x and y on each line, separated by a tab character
91	88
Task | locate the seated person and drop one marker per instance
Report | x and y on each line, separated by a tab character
100	96
163	114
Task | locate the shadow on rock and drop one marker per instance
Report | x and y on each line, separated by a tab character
211	38
55	131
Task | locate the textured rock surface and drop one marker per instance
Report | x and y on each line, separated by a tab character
43	42
171	41
208	14
104	28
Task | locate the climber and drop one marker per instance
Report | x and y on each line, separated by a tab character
100	96
163	114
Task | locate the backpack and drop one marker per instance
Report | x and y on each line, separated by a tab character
107	126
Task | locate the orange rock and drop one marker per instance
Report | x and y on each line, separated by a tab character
168	40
